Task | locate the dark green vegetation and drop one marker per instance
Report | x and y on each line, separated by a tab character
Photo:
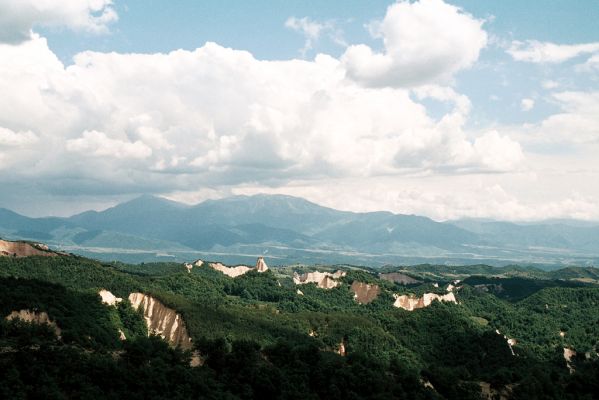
259	338
295	230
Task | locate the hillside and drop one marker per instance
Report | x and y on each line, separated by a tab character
285	332
293	230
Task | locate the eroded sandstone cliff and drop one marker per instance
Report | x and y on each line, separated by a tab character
162	320
108	298
236	271
34	317
411	303
24	249
324	280
364	293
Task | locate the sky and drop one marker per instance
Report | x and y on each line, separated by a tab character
447	109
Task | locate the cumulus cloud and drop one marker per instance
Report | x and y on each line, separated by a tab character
94	143
216	116
19	17
527	104
534	51
10	138
576	123
425	41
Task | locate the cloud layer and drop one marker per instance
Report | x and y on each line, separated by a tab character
18	17
216	121
424	41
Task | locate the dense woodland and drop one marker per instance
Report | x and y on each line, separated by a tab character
253	334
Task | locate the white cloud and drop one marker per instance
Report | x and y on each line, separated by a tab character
19	17
576	123
546	52
217	116
94	143
478	197
10	138
425	41
527	104
590	65
549	84
313	30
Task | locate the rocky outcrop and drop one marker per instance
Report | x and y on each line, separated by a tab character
569	354
36	318
510	341
239	270
411	303
398	277
188	267
341	348
364	293
261	265
24	249
161	320
324	280
233	272
108	298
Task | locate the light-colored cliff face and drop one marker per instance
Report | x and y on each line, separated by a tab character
341	349
261	265
109	298
162	320
568	355
324	280
510	341
22	249
411	303
188	267
34	317
233	272
239	270
364	293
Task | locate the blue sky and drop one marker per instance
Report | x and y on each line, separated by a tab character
458	109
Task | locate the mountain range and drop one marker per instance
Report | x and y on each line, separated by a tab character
293	230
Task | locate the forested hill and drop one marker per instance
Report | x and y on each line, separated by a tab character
422	332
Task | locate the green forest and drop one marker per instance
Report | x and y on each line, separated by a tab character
259	338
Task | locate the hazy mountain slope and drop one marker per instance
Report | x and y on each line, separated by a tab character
300	231
556	236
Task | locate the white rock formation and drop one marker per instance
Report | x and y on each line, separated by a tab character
411	303
300	292
122	335
341	349
34	317
108	298
239	270
510	342
324	280
261	265
24	249
233	272
162	320
568	355
198	263
189	267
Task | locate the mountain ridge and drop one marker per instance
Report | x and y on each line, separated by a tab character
297	230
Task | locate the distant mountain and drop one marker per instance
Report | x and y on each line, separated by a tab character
292	229
558	236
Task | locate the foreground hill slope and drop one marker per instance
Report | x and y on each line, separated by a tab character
276	333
